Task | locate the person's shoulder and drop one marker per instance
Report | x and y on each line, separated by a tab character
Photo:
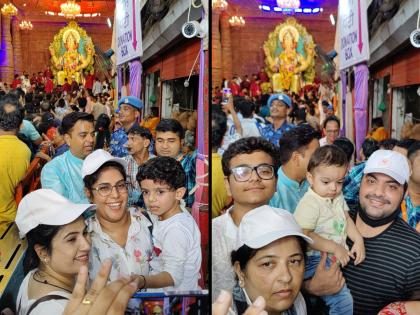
409	233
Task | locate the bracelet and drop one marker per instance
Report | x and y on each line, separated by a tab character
143	287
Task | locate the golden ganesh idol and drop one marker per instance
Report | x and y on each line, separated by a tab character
290	56
71	52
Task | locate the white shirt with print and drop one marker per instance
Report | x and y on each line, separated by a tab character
177	242
133	258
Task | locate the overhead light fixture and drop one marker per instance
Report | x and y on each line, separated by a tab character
288	4
9	9
108	21
219	5
26	25
70	9
332	19
237	21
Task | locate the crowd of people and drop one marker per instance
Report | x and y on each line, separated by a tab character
115	199
301	223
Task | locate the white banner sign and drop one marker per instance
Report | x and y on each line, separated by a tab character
128	30
353	36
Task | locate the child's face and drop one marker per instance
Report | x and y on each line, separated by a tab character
327	181
160	199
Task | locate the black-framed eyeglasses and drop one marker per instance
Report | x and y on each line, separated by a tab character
106	189
244	172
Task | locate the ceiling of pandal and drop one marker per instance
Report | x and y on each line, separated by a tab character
250	8
37	8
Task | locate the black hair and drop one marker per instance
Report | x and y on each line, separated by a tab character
247	146
90	180
103	135
301	114
218	128
388	144
47	121
346	145
164	170
11	120
406	144
141	131
296	139
29	97
331	118
413	151
71	119
325	103
61	103
378	122
171	125
245	253
41	235
246	108
369	146
328	155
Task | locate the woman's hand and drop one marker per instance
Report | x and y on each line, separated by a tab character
224	301
101	298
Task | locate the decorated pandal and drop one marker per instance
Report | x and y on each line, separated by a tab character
290	57
72	53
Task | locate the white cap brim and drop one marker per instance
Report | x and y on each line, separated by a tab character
268	238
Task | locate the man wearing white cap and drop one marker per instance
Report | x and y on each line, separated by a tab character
391	271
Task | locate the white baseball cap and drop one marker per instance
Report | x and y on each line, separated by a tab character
390	163
263	225
45	206
98	158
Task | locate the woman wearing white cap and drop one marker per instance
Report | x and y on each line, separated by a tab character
118	233
58	245
269	262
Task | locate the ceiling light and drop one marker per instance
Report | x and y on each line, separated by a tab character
9	9
26	25
237	21
70	9
108	21
332	19
219	5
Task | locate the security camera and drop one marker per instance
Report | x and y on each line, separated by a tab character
415	38
186	83
192	29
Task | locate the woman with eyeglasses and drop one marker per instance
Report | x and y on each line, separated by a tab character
118	233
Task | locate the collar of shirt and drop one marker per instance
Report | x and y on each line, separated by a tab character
137	220
325	200
73	158
284	125
288	181
230	229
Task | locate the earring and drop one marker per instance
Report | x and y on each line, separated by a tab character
46	260
241	283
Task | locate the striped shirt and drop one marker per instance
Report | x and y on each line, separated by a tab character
390	272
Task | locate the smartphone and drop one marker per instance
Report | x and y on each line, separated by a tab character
227	92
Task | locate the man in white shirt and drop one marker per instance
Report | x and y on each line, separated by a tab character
97	87
250	126
331	127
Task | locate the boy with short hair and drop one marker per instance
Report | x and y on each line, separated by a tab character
323	215
176	237
250	168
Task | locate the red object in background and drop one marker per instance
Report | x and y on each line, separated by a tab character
49	86
89	81
235	88
15	83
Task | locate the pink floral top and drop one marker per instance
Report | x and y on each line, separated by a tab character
134	258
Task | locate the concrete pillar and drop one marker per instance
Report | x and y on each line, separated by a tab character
6	51
227	67
216	51
17	46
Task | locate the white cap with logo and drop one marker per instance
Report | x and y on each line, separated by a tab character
263	225
45	206
98	158
390	163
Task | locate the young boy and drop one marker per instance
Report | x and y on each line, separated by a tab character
176	237
323	215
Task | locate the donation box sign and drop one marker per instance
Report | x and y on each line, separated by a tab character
128	30
353	32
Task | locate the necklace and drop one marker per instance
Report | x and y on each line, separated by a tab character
48	283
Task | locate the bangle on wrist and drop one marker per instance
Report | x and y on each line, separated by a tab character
143	287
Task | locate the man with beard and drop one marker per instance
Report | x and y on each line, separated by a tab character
391	271
64	173
129	108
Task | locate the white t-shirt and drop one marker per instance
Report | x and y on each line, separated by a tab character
177	251
249	128
323	141
53	306
230	136
224	239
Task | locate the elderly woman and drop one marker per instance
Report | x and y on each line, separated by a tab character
118	233
269	262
